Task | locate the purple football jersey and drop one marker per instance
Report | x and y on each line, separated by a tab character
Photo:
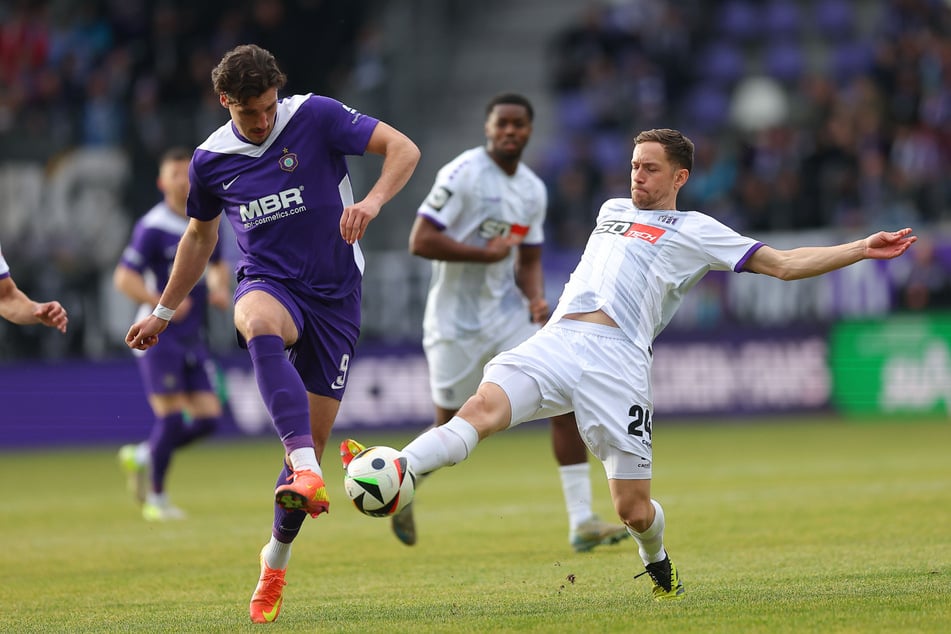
151	251
284	198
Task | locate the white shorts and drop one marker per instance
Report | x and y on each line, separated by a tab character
594	370
455	365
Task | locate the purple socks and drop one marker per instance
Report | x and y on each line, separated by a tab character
168	434
283	391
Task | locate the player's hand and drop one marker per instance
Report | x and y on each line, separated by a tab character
885	245
144	333
538	308
497	249
51	314
356	218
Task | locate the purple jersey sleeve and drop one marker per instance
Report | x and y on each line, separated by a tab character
203	203
140	252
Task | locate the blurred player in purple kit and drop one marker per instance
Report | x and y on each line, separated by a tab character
278	171
482	226
18	308
176	374
593	356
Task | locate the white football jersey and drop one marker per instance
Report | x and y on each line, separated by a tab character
473	200
4	267
638	265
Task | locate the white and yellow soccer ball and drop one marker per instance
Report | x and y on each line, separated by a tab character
379	481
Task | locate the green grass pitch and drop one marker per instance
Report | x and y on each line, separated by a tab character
815	525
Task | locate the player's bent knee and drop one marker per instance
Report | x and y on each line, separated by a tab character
632	502
255	327
637	516
488	410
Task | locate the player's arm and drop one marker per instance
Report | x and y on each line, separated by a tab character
400	156
796	264
18	308
191	258
428	241
132	284
530	280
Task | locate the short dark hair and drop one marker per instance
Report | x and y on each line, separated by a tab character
177	153
246	71
677	147
510	98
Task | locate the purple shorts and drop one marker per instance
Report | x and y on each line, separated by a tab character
176	367
327	334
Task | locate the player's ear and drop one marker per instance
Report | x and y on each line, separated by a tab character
680	178
223	99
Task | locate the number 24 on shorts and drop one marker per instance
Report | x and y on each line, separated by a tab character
641	423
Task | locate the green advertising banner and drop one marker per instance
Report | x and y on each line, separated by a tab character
900	364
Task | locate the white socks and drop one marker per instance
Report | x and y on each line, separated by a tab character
305	458
276	554
143	454
156	499
650	543
576	485
441	446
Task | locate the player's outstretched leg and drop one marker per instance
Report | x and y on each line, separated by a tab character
667	583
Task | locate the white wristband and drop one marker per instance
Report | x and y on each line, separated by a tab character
163	312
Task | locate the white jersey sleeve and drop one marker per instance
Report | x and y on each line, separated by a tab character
447	200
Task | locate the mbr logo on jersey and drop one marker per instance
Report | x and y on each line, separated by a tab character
631	230
290	201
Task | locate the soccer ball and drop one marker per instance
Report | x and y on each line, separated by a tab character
379	481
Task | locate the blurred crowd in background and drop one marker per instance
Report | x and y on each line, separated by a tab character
136	74
808	114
